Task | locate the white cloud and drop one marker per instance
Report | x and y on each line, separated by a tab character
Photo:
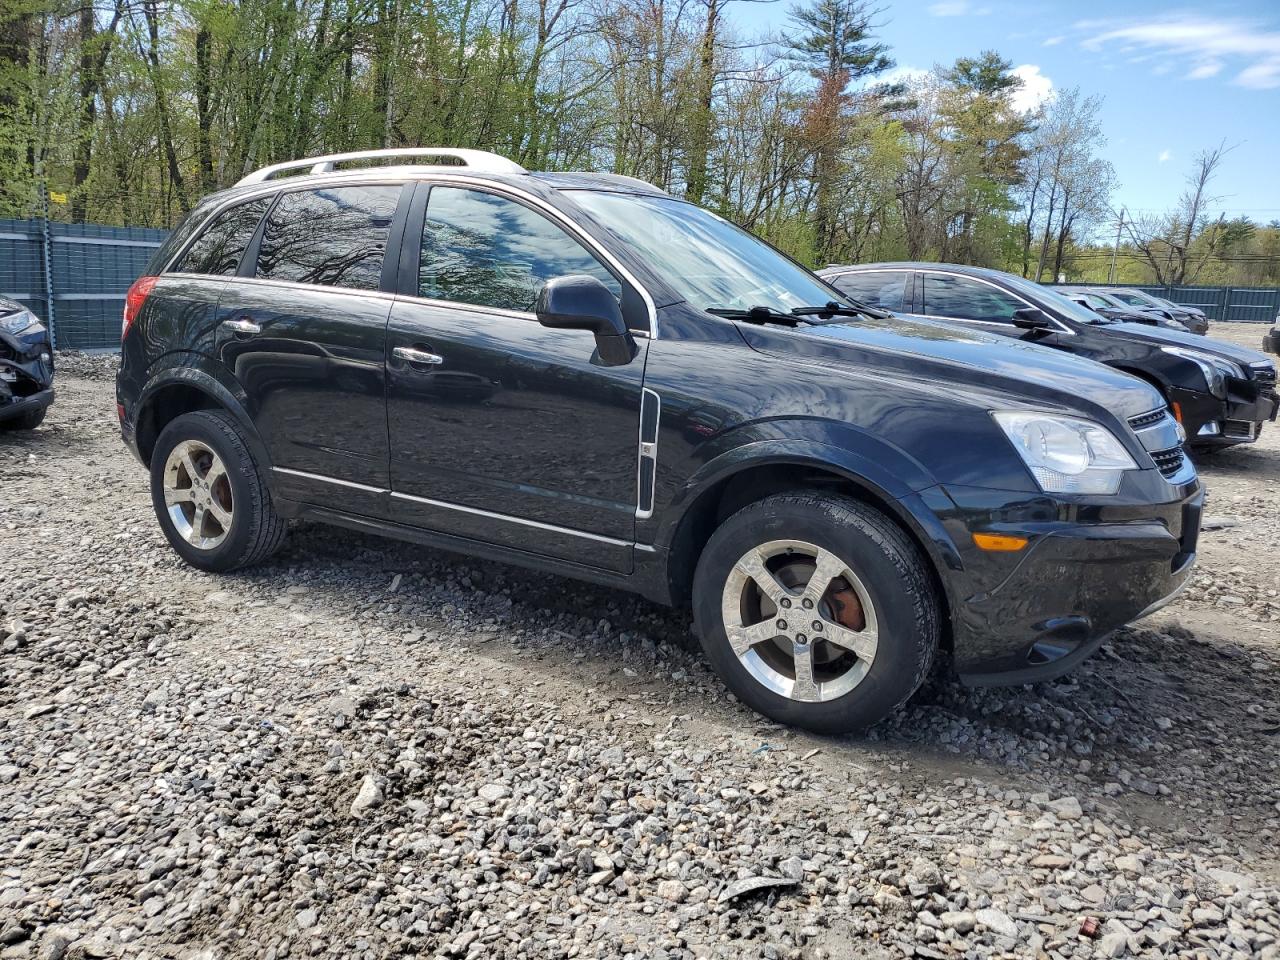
907	75
1053	41
1253	49
957	8
1164	156
1036	88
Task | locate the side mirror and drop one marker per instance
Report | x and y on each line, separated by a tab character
580	302
1031	318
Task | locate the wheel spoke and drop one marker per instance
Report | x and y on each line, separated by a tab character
743	639
223	516
826	568
753	566
216	472
861	642
189	462
174	495
804	688
197	527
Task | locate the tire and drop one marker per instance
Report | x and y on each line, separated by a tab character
254	530
880	568
28	421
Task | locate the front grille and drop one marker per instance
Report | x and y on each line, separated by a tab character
1168	462
1240	429
1143	420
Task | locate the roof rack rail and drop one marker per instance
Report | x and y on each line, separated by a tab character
475	161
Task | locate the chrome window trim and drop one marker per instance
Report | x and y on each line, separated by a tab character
288	284
366	178
1059	327
468	307
549	527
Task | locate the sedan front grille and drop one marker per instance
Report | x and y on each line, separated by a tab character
1168	462
1144	420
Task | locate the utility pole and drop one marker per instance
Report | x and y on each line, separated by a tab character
1111	275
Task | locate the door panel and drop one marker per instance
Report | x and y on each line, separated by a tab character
515	437
316	385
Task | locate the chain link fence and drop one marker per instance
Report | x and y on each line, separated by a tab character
74	275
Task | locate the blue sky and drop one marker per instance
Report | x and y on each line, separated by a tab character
1175	79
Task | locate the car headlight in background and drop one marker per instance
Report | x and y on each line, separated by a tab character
19	322
1066	454
1215	369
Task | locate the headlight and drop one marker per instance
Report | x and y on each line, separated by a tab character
1066	454
1215	369
18	322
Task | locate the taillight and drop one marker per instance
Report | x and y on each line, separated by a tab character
134	299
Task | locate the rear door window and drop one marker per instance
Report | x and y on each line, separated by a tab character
964	299
491	251
219	248
332	236
877	288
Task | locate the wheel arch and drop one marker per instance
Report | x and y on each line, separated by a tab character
183	389
788	467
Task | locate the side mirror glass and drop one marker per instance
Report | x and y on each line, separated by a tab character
1031	318
580	302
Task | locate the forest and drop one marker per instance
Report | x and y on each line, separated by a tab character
129	111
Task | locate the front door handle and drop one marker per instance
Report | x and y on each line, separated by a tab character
410	355
244	326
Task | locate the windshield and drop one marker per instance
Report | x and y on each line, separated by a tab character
706	259
1054	300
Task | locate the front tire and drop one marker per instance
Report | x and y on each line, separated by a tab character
27	421
210	494
817	611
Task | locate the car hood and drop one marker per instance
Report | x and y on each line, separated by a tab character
1012	369
1163	336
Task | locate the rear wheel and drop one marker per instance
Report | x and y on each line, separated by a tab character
210	494
817	611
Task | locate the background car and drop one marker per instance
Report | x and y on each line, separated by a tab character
1194	321
1113	309
26	368
1221	393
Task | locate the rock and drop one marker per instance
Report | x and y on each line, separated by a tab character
1051	861
1066	808
1113	944
306	919
369	797
673	890
961	921
996	921
740	888
792	867
494	791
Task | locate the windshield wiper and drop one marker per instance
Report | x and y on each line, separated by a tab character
824	313
756	314
853	308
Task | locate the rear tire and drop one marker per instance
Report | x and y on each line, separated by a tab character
210	494
861	621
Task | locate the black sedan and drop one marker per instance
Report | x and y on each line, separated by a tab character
26	368
1111	308
1221	393
1189	317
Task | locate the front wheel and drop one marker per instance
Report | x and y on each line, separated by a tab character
210	494
817	611
27	421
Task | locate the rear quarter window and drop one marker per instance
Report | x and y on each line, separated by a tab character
219	247
331	236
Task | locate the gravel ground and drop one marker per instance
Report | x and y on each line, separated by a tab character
368	749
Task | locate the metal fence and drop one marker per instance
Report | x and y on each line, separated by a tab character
1237	304
74	275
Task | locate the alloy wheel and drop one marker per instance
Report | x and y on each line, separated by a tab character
197	494
799	620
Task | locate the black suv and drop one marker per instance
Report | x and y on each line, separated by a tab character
1221	393
26	367
579	373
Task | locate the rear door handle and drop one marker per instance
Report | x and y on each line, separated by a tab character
410	355
244	326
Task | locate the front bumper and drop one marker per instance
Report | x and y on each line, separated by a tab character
20	406
1236	419
1088	569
